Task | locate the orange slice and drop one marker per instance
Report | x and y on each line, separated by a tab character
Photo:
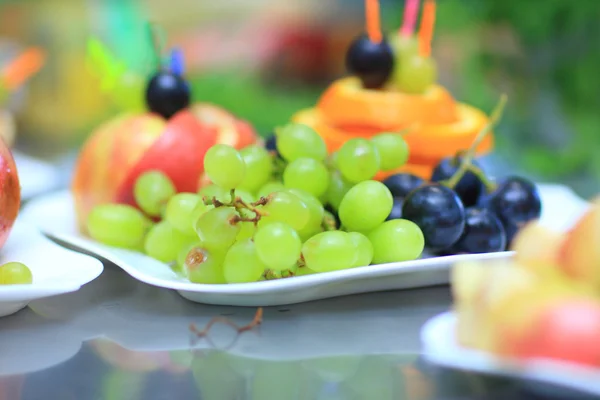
443	140
347	104
428	143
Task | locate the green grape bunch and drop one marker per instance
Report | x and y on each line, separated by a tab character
269	214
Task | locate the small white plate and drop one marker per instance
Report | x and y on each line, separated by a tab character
54	215
440	347
36	176
55	269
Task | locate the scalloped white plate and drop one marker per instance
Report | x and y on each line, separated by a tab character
54	215
55	269
440	347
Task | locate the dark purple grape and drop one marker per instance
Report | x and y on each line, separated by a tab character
167	93
371	62
516	201
271	145
271	142
396	212
438	211
469	188
402	184
484	233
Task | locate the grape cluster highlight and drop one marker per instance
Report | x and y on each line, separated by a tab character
284	210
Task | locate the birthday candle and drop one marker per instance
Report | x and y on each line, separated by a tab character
426	29
410	17
176	61
373	23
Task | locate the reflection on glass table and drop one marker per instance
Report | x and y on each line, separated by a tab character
118	338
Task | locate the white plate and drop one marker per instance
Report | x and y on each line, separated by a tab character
440	347
36	176
55	269
54	215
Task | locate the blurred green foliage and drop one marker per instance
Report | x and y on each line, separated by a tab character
246	96
553	120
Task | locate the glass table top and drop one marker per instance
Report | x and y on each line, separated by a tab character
118	338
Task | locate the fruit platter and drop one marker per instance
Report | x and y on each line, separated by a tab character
536	316
187	196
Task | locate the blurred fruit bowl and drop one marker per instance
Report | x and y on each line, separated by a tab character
544	304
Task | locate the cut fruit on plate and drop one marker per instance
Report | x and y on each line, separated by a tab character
55	269
54	215
441	347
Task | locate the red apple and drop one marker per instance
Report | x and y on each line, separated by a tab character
127	146
10	192
565	331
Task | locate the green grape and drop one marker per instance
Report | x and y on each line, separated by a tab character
415	74
285	207
200	209
338	187
244	195
182	256
393	150
152	191
316	212
247	230
404	46
278	246
212	190
259	167
298	140
15	273
303	271
329	251
307	174
163	242
205	266
216	228
242	263
181	210
396	240
117	225
270	187
365	206
224	166
364	249
358	160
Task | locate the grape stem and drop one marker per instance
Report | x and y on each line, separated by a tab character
270	274
328	223
490	186
256	321
467	160
240	205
